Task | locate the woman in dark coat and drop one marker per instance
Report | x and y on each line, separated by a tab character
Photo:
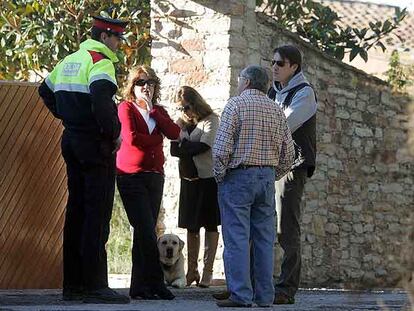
198	194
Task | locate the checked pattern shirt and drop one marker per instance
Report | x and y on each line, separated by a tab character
253	131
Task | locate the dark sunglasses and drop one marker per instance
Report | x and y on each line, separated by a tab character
142	82
184	108
279	63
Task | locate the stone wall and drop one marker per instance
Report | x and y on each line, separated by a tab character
356	206
191	47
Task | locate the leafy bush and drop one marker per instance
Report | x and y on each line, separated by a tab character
36	34
399	76
119	244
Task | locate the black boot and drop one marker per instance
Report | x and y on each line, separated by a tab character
72	294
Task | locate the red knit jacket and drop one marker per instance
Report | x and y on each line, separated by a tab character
141	151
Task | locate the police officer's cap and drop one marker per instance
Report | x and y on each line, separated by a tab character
113	26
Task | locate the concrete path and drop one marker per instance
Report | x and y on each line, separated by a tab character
194	299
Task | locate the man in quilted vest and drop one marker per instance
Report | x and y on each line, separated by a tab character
293	93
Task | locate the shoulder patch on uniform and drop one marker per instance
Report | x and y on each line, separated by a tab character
71	69
96	56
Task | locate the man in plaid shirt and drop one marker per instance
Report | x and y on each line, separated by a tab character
253	148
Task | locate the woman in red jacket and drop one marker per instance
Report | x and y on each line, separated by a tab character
140	177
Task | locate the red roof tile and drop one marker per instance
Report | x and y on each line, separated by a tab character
359	14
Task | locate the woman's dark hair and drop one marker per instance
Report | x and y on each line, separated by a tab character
290	53
200	108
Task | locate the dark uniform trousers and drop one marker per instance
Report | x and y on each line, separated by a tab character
91	182
141	194
289	239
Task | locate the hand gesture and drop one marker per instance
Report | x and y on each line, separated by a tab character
145	103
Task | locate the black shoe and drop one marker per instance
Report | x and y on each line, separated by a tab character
221	295
283	299
227	303
163	292
72	294
105	295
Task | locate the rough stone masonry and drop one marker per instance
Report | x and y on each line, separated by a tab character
356	208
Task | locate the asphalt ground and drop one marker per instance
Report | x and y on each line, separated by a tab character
193	299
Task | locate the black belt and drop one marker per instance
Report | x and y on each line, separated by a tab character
245	167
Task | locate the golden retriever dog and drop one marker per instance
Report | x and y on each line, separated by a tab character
170	247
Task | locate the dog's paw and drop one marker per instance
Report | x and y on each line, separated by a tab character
179	283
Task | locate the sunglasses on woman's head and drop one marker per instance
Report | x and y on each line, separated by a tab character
142	82
279	63
184	108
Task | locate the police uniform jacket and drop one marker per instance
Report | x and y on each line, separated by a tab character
80	90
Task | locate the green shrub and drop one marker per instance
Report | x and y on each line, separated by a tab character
119	244
399	76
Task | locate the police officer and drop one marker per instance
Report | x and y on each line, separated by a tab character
79	91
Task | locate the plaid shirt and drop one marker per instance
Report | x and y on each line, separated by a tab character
253	131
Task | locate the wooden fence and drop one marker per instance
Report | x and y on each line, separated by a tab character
32	190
